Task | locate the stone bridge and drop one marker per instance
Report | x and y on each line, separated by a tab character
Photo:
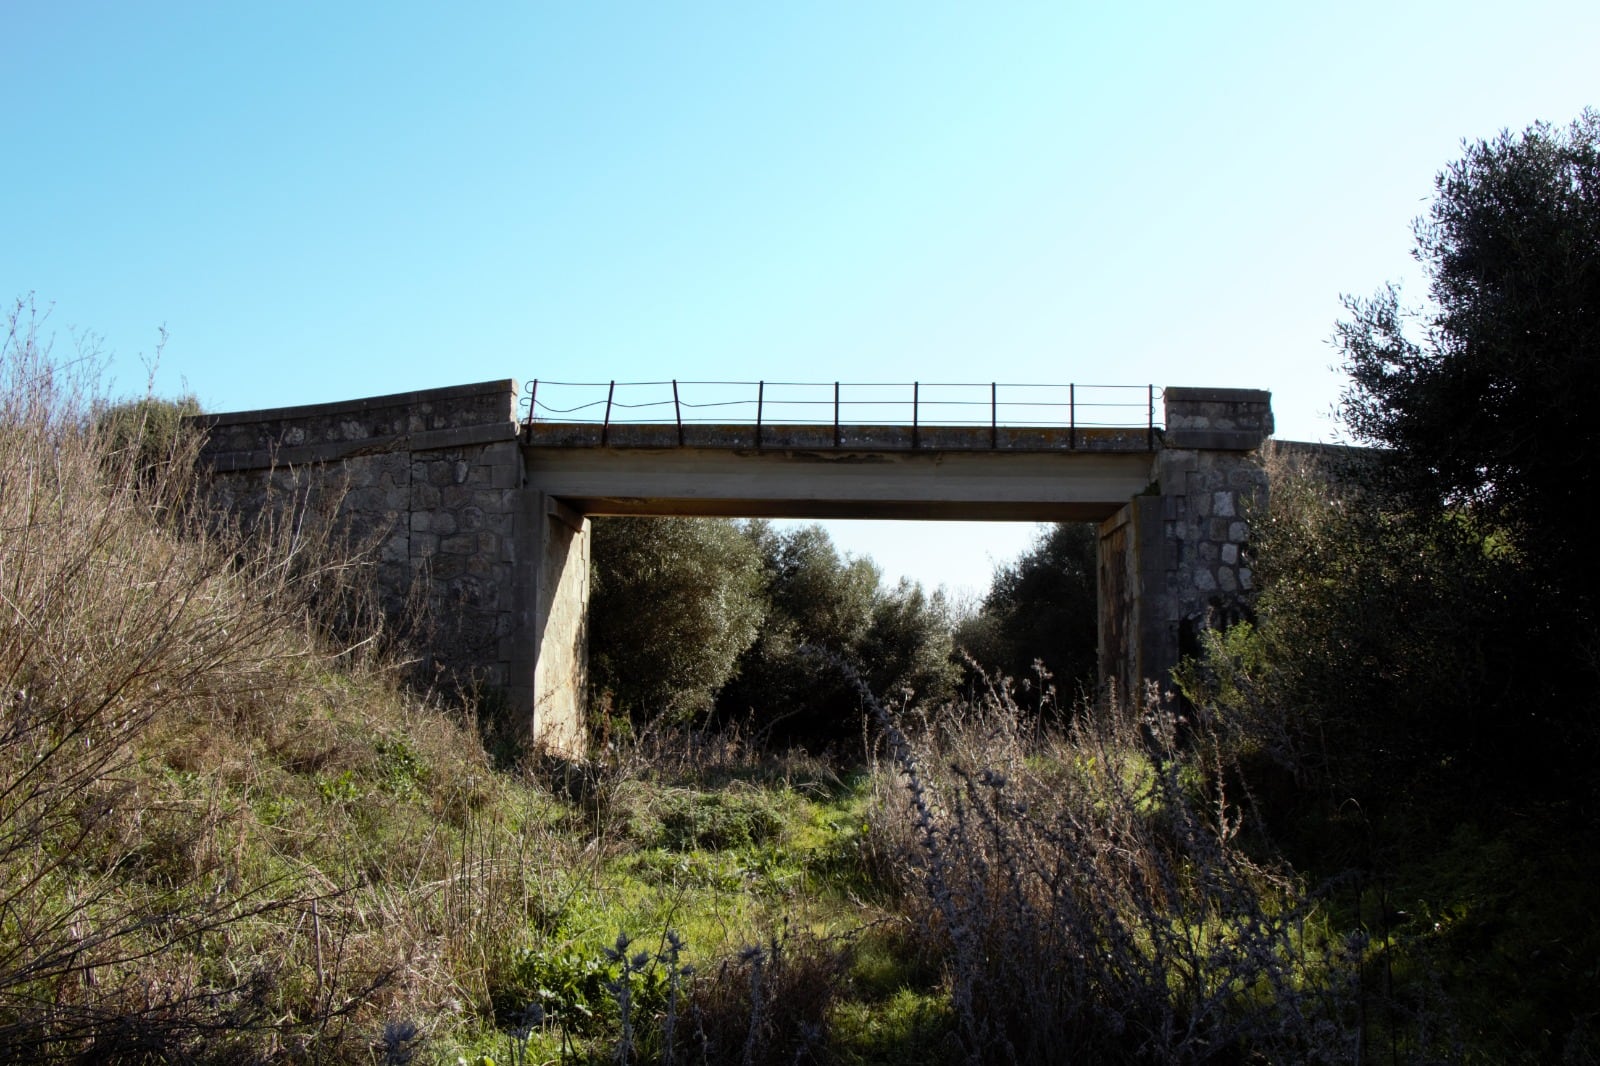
480	519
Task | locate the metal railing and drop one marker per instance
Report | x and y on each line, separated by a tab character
914	405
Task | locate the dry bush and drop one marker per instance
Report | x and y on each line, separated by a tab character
1090	900
222	838
108	623
767	1005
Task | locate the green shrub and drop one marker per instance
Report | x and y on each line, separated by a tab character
1038	624
673	604
716	821
822	605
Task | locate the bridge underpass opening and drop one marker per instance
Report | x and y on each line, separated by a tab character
927	486
691	618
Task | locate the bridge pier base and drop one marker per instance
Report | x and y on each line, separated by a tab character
550	649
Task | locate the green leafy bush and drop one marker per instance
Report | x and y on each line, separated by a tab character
1038	624
673	604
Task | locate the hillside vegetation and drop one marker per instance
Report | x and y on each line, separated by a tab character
220	835
226	837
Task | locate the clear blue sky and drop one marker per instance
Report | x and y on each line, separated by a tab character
322	201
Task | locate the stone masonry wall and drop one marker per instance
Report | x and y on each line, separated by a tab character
1210	475
426	481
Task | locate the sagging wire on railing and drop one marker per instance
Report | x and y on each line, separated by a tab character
1110	406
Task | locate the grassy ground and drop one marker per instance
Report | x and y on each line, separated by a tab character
741	860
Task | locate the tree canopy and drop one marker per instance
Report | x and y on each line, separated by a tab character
674	602
1041	609
1492	402
690	614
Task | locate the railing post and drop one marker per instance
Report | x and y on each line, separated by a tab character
1072	417
994	415
837	437
677	411
533	401
1150	432
761	395
605	428
916	424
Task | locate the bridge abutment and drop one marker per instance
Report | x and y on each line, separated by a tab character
426	483
1175	560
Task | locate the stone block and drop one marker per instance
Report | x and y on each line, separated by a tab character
1246	477
395	549
506	473
1226	580
493	501
447	567
1238	532
1222	504
458	544
1230	553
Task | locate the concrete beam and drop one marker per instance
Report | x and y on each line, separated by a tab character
958	486
854	437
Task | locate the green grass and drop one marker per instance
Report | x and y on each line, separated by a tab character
724	865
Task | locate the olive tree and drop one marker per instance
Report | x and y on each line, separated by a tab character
673	604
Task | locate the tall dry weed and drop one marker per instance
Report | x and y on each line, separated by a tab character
123	614
1091	901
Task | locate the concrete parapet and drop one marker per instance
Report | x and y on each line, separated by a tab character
1217	419
326	432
